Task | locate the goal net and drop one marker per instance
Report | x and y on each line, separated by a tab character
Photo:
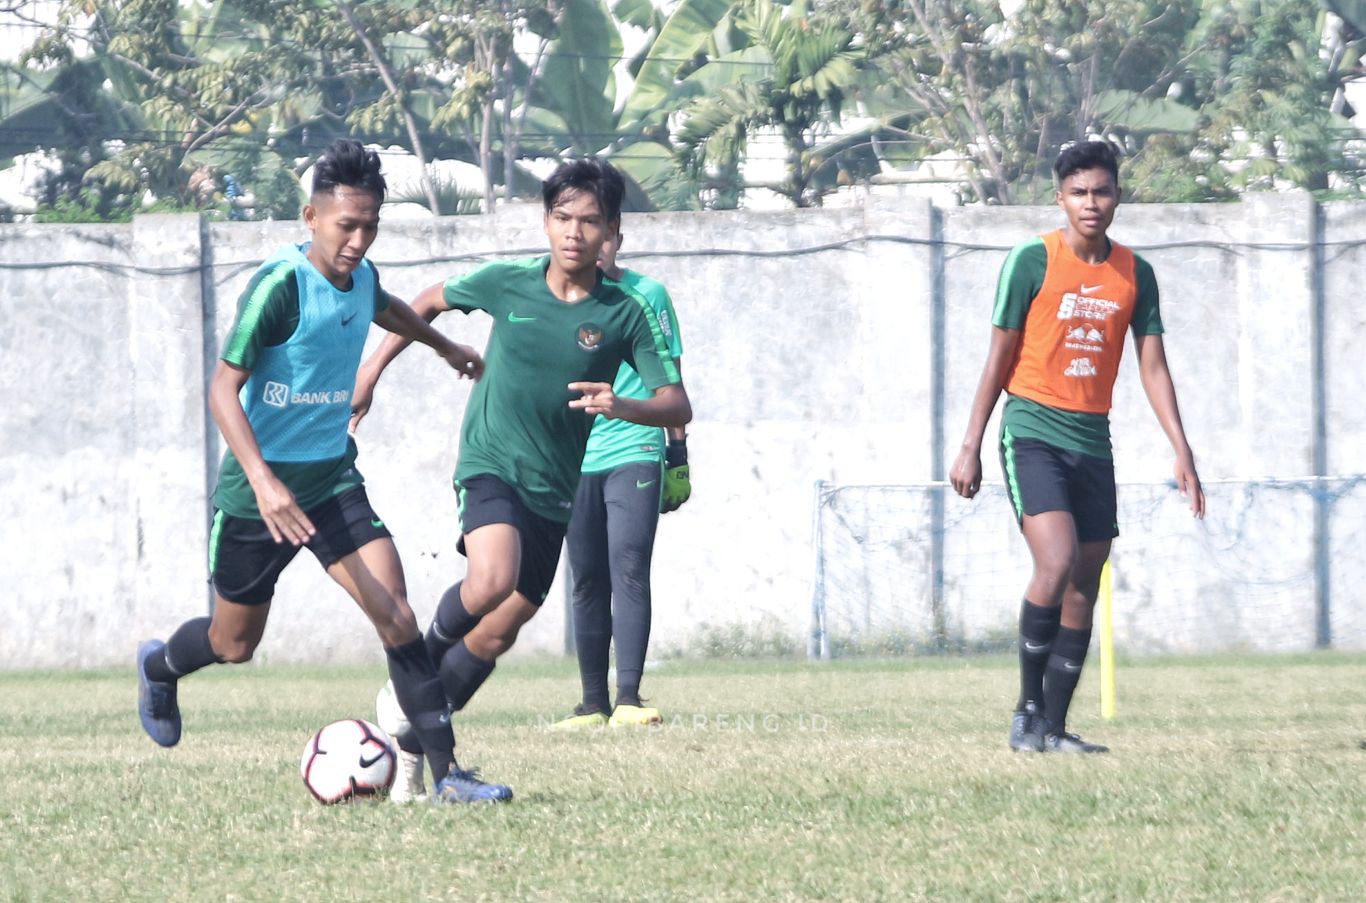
1276	565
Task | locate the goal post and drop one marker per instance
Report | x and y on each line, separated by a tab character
915	569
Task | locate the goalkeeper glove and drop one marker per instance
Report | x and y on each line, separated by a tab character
677	485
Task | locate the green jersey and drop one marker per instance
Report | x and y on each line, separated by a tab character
518	425
1020	286
268	314
615	442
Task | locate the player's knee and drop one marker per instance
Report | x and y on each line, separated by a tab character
635	593
632	560
482	593
395	623
490	646
1080	598
235	650
1055	566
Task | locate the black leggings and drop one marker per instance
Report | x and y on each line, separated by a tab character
611	539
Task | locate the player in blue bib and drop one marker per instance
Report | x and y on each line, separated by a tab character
282	395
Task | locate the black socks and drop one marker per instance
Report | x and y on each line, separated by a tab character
1038	628
186	651
451	623
1064	670
420	696
462	673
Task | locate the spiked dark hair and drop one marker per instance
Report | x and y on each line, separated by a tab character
347	162
597	177
1087	155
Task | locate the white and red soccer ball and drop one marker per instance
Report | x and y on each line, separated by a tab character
347	760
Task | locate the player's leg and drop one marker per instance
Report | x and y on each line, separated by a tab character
494	553
591	597
245	563
1036	481
358	552
1094	504
492	547
632	499
467	664
1069	649
464	669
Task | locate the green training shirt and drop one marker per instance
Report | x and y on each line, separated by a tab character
1021	280
267	315
518	425
615	442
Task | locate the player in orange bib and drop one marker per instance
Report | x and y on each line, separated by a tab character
1063	304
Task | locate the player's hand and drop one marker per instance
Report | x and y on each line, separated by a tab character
361	398
464	360
966	473
1188	483
595	398
677	482
282	514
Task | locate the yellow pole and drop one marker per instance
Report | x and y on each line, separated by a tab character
1107	645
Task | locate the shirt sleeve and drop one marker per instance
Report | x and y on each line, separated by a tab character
663	306
480	289
1147	318
1020	281
267	315
648	350
382	298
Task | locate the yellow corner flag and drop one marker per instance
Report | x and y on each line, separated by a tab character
1107	645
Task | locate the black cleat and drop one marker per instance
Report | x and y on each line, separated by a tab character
1070	743
1026	729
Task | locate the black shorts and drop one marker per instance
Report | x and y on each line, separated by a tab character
1042	477
246	561
485	499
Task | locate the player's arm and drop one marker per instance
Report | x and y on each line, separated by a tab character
1021	277
648	353
1157	385
424	309
402	320
966	473
668	407
677	475
281	513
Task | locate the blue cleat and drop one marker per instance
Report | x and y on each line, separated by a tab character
157	706
462	786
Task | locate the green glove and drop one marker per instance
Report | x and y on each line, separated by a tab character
677	485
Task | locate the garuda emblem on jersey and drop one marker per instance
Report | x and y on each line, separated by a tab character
590	336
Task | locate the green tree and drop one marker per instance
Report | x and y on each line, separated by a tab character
791	73
1206	97
258	87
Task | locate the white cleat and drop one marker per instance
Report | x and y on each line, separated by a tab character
408	779
409	784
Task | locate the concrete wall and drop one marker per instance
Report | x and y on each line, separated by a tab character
839	345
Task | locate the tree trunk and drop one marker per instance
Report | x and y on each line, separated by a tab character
409	123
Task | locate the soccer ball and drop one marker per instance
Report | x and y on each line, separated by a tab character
347	760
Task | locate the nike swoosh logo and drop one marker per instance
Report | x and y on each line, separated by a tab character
346	320
644	485
367	761
376	523
1035	647
1088	289
513	318
1071	666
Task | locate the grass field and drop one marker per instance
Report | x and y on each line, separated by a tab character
1232	779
